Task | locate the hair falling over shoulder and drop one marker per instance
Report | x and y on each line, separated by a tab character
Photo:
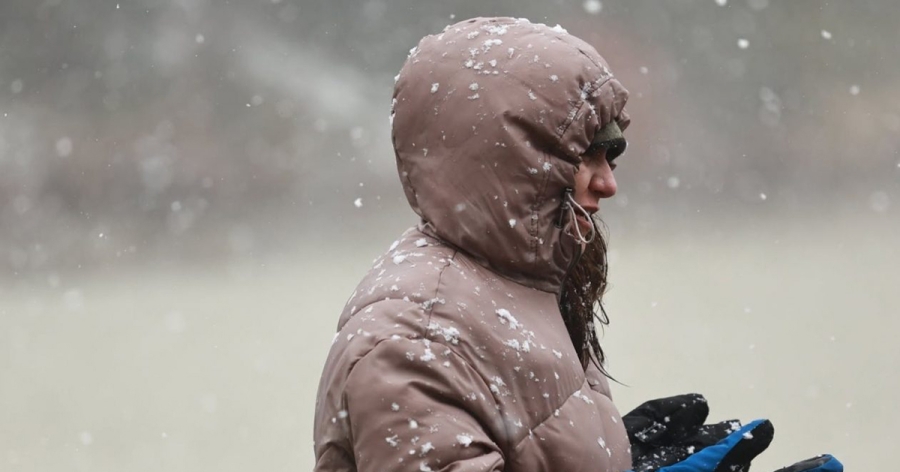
582	301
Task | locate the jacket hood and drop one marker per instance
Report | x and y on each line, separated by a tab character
489	119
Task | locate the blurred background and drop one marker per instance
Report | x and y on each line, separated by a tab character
190	190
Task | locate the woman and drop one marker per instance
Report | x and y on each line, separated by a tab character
452	354
470	345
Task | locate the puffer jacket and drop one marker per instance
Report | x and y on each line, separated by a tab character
452	355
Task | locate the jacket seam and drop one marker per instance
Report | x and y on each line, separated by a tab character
474	259
569	121
535	221
426	336
437	290
550	415
512	446
423	335
484	385
592	89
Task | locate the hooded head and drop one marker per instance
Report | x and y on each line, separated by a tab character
489	120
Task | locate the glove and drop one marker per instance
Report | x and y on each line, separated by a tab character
666	431
823	463
668	434
732	454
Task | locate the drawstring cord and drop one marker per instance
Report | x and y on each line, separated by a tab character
572	206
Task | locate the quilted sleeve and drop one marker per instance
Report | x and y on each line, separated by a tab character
414	405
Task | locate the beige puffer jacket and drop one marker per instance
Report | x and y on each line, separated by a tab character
452	355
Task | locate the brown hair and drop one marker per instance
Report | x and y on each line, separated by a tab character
582	301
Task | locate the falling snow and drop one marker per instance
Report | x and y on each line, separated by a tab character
186	139
64	147
593	6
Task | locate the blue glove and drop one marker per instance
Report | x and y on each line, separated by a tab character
732	454
823	463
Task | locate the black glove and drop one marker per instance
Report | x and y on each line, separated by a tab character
668	435
824	463
668	430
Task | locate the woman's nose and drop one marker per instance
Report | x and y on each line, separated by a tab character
603	182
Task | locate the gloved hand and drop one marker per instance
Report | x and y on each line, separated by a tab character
668	430
732	454
668	435
823	463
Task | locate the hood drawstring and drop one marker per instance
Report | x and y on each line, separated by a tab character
572	206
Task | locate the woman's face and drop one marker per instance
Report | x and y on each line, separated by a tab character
593	180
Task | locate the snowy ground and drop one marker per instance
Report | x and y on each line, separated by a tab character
216	369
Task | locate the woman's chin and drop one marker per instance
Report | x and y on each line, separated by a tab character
584	225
